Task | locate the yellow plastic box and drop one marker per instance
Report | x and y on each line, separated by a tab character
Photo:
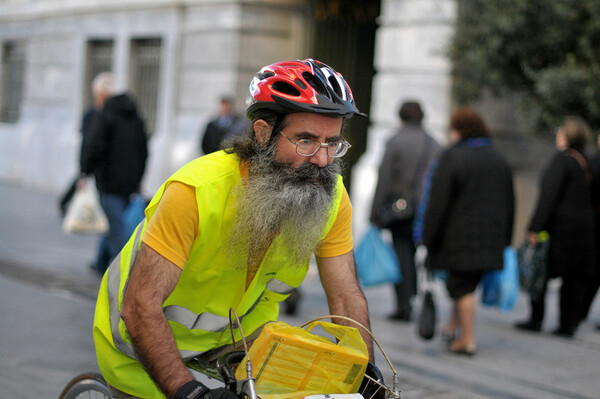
290	362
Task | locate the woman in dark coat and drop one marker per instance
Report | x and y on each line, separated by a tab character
564	210
469	219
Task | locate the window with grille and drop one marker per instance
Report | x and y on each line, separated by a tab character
144	77
99	58
12	81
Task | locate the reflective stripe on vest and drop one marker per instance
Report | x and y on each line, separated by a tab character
204	321
114	283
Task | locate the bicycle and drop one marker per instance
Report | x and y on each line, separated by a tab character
86	386
93	385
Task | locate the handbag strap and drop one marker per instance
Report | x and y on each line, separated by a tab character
421	162
428	282
582	162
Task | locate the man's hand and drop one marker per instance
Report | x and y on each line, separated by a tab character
220	393
197	390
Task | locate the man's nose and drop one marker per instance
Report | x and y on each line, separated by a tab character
320	158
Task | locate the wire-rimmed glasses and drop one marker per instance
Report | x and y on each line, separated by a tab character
309	147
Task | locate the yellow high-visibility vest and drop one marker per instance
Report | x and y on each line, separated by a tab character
211	282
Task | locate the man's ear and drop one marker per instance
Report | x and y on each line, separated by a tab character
262	130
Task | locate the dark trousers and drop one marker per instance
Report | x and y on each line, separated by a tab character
114	206
570	304
405	249
589	293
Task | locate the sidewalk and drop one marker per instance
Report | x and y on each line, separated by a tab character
509	364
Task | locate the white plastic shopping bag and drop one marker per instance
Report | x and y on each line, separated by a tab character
85	215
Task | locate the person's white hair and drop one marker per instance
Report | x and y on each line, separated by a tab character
104	83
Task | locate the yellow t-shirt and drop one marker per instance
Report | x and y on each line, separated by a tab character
173	228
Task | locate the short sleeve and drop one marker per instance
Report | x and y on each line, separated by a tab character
173	228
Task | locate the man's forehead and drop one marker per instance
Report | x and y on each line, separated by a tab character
313	124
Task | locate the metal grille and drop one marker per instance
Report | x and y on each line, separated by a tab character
144	77
99	59
13	77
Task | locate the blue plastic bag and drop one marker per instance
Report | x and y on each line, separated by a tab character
376	261
134	213
501	287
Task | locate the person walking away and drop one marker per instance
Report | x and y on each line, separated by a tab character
564	209
235	229
115	154
401	174
468	221
222	128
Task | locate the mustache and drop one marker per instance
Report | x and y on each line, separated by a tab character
309	174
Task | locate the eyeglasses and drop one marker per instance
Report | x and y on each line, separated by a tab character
309	147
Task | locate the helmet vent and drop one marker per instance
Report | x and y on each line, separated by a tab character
265	74
286	88
300	84
335	85
315	84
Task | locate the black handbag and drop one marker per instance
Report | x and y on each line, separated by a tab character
427	317
401	209
404	206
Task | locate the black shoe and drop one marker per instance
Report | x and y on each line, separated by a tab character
402	315
564	332
598	327
529	325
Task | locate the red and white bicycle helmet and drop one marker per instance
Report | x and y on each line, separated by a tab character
301	86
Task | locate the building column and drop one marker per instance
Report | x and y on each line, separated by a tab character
410	64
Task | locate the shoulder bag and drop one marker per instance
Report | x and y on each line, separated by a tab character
404	207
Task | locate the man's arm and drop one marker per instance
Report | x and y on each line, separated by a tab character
152	280
344	296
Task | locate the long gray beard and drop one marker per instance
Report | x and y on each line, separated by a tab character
279	199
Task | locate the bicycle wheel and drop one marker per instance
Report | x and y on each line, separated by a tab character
86	386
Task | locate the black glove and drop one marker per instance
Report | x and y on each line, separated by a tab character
369	389
197	390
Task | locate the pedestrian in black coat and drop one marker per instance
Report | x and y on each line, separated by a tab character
115	153
565	211
223	128
469	219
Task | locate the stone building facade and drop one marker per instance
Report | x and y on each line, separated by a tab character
177	58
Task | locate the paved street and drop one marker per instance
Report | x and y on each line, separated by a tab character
47	302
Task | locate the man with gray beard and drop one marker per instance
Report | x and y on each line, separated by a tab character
235	229
281	199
